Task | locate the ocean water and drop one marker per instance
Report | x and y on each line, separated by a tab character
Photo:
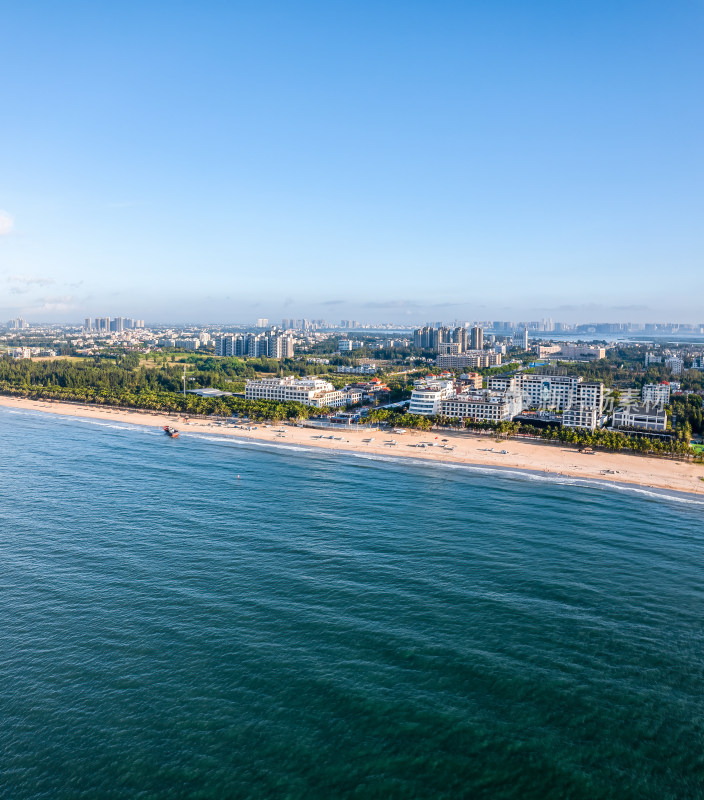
334	626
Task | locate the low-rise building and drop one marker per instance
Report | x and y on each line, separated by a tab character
308	391
362	369
580	417
374	391
471	380
482	406
187	344
560	391
544	350
21	352
353	396
581	352
555	392
427	396
501	383
347	345
208	392
643	417
472	359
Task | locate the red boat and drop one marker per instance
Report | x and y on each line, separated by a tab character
172	432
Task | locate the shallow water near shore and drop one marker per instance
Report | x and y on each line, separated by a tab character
328	625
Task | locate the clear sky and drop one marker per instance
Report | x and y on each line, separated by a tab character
221	161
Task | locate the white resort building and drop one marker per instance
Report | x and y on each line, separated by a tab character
483	406
558	392
641	417
578	417
427	396
308	391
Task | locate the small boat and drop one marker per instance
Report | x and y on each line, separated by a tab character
172	432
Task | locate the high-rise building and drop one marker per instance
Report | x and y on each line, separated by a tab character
87	324
224	345
424	338
230	345
477	338
675	363
262	322
520	338
656	394
441	335
280	346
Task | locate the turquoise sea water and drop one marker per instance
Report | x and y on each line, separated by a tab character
336	626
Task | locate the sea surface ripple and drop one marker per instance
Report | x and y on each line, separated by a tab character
327	626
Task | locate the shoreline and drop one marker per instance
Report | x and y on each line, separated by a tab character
469	449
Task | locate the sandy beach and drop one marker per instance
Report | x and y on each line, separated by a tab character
460	448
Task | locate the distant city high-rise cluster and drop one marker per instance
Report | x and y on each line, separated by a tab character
454	348
114	325
273	344
451	341
18	324
289	323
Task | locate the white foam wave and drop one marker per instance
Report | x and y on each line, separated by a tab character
540	477
248	442
652	493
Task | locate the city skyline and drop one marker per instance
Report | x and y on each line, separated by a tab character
233	162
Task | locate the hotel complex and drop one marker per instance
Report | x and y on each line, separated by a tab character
582	403
308	391
432	397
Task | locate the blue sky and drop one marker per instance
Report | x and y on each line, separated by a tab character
396	160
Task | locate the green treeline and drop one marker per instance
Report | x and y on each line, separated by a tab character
687	415
134	383
129	384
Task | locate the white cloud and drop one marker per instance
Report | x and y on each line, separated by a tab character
56	303
30	280
6	223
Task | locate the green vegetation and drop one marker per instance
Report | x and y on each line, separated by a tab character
399	419
128	382
687	415
155	383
